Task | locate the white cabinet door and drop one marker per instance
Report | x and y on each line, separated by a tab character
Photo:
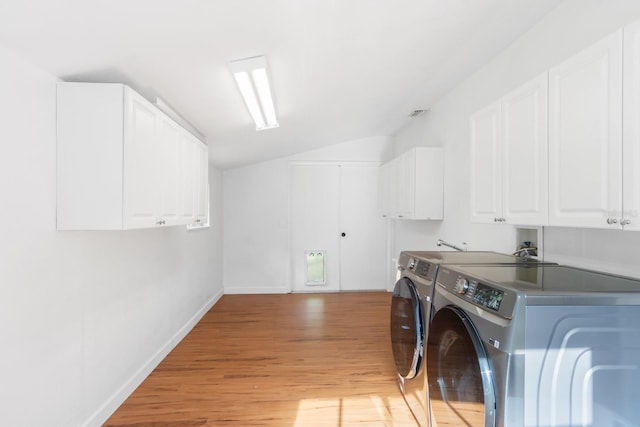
524	154
140	187
169	169
428	183
187	161
585	137
486	165
386	189
404	173
201	186
631	122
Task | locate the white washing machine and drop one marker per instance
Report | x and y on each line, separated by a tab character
411	313
534	346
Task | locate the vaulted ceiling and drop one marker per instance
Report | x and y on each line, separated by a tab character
340	69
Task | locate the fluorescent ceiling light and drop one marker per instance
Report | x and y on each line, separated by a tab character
252	80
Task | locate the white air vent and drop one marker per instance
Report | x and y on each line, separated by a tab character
416	113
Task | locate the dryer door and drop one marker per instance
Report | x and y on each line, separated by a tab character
406	328
461	387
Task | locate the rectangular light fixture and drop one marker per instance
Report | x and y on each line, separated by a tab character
251	77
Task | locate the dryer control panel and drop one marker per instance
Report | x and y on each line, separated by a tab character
490	297
420	267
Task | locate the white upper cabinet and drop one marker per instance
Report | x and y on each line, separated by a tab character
630	218
509	157
412	185
120	162
585	137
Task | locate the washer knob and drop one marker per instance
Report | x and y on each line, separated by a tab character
461	286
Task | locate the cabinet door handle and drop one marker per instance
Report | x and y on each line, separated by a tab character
612	221
624	221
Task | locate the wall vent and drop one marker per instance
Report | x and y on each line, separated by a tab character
416	113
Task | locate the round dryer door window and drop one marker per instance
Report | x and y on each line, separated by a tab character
461	389
406	328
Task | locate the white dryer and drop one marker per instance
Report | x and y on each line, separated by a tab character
411	314
534	346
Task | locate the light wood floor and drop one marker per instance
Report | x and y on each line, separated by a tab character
277	360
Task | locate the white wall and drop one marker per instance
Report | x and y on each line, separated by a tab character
572	26
84	316
256	216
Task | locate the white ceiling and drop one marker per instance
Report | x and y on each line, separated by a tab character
340	69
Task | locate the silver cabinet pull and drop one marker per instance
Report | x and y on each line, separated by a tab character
612	221
624	221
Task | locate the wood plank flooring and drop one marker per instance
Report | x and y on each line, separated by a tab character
277	360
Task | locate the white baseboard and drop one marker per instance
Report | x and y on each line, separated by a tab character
109	407
246	290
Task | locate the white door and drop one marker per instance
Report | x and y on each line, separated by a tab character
328	201
585	141
363	247
524	154
631	136
486	159
314	224
140	158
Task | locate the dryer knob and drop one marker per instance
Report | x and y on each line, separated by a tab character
412	263
462	286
